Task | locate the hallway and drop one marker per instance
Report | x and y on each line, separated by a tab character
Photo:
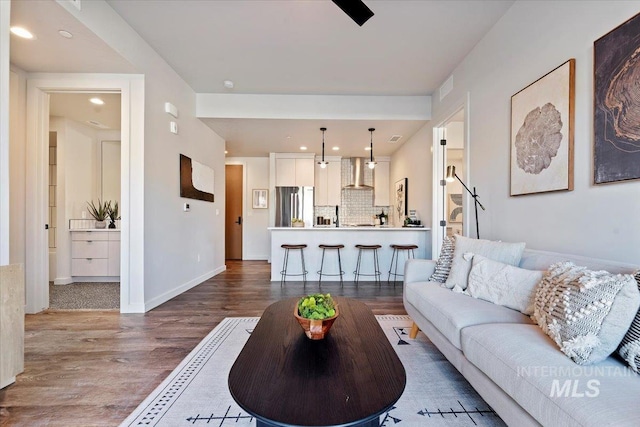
93	368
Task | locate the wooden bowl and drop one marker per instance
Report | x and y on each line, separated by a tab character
315	329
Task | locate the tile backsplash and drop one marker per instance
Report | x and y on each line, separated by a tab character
356	206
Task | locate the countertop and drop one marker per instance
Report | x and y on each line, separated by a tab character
95	229
325	228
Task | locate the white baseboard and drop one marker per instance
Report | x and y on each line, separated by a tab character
7	382
63	281
160	299
132	308
256	258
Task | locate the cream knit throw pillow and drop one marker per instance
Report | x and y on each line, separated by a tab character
586	313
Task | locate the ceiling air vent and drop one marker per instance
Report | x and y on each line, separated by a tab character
97	124
395	138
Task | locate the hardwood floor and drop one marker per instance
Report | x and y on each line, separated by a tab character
94	368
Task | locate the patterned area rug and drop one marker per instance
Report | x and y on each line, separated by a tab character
85	296
196	392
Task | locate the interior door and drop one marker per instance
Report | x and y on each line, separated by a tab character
233	209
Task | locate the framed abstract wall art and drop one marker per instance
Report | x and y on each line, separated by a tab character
401	199
616	121
542	122
196	180
260	199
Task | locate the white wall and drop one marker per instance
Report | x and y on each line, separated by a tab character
17	154
531	39
255	236
5	19
413	161
173	240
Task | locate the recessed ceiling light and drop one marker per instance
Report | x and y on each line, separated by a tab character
303	148
96	101
228	84
22	32
335	148
288	136
66	34
367	148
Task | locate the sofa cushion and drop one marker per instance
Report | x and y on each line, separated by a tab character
508	253
587	313
450	312
629	348
503	284
528	366
443	265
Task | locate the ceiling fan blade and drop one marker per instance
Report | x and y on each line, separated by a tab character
356	9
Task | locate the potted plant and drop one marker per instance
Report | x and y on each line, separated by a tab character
297	222
316	314
99	212
113	214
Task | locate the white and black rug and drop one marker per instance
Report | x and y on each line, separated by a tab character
196	392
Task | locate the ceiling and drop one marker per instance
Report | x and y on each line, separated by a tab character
76	106
276	47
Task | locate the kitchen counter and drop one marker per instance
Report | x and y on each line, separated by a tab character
350	228
348	236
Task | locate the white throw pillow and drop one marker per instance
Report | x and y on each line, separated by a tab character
503	284
508	253
586	313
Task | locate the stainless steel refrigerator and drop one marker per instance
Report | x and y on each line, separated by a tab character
294	202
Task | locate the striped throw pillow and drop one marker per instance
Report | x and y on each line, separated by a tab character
443	264
630	346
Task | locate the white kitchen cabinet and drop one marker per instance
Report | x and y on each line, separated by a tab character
295	172
304	172
286	172
381	184
95	253
328	185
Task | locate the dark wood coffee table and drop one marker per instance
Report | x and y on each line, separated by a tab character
350	378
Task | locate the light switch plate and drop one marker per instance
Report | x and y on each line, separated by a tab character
173	127
186	207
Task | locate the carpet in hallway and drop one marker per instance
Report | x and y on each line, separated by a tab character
85	296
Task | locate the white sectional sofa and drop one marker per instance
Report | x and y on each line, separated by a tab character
512	363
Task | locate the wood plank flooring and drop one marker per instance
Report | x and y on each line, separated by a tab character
93	368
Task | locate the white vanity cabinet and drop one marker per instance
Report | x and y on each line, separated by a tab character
95	253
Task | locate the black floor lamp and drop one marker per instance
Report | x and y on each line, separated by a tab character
451	173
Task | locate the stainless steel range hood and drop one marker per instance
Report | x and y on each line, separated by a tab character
357	166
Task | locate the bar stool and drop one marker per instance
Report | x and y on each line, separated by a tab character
320	273
285	263
376	264
396	254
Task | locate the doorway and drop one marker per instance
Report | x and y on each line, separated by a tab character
233	211
85	271
131	91
450	198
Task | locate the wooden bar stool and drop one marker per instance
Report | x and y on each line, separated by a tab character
376	264
320	273
285	263
408	249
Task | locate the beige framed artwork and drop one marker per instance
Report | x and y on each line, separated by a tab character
542	122
260	199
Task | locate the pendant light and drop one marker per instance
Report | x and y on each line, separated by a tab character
371	163
323	164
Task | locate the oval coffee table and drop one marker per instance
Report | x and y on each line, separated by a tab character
350	378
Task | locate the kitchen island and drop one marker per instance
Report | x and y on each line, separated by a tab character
349	237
